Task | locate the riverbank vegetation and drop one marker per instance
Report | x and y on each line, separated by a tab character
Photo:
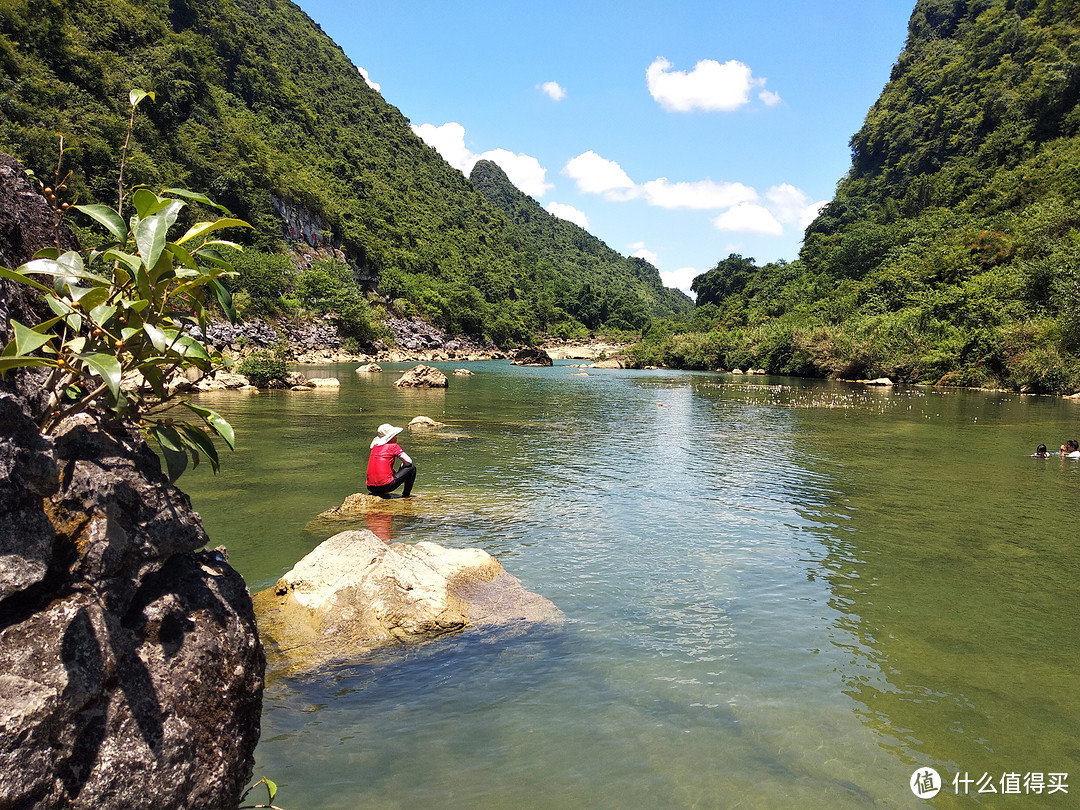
951	252
256	105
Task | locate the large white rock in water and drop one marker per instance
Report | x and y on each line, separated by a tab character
422	377
354	593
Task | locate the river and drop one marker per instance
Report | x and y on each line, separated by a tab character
778	592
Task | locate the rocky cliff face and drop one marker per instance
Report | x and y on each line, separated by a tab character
130	666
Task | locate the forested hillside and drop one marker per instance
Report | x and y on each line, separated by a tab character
585	277
951	251
255	106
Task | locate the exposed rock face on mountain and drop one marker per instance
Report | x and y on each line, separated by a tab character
130	666
354	593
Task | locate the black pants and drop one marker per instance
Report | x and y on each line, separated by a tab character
405	475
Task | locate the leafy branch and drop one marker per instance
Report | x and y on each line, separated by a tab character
124	317
271	792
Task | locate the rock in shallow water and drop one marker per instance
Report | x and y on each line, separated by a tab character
354	594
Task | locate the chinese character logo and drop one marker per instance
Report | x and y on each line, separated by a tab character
925	783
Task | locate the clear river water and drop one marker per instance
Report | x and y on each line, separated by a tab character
778	593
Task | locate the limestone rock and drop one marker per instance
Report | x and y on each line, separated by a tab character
423	423
324	382
531	357
463	372
369	368
354	593
130	666
225	381
879	381
135	661
611	362
422	377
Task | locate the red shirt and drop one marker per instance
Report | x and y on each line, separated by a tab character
380	466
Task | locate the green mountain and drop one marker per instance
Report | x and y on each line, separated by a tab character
951	251
585	277
257	107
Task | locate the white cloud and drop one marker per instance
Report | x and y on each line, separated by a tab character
810	213
448	140
552	90
373	85
524	171
749	218
769	98
703	194
710	86
791	206
569	213
642	252
681	279
596	175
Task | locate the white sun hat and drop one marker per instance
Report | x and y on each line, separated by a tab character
387	432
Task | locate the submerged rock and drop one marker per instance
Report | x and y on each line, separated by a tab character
422	377
424	422
354	594
369	368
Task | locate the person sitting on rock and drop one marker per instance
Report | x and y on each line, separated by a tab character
381	478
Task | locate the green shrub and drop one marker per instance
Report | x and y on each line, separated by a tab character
263	367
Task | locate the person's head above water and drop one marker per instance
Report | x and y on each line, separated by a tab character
1040	450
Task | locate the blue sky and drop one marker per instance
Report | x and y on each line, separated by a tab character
677	131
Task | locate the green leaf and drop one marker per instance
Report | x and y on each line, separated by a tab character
27	340
156	379
200	443
216	422
129	262
14	275
191	348
172	448
224	298
136	96
195	196
102	314
203	228
157	337
271	788
182	256
89	297
10	362
108	217
66	266
150	237
147	203
105	366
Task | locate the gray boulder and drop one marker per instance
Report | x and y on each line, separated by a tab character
422	377
130	666
531	357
